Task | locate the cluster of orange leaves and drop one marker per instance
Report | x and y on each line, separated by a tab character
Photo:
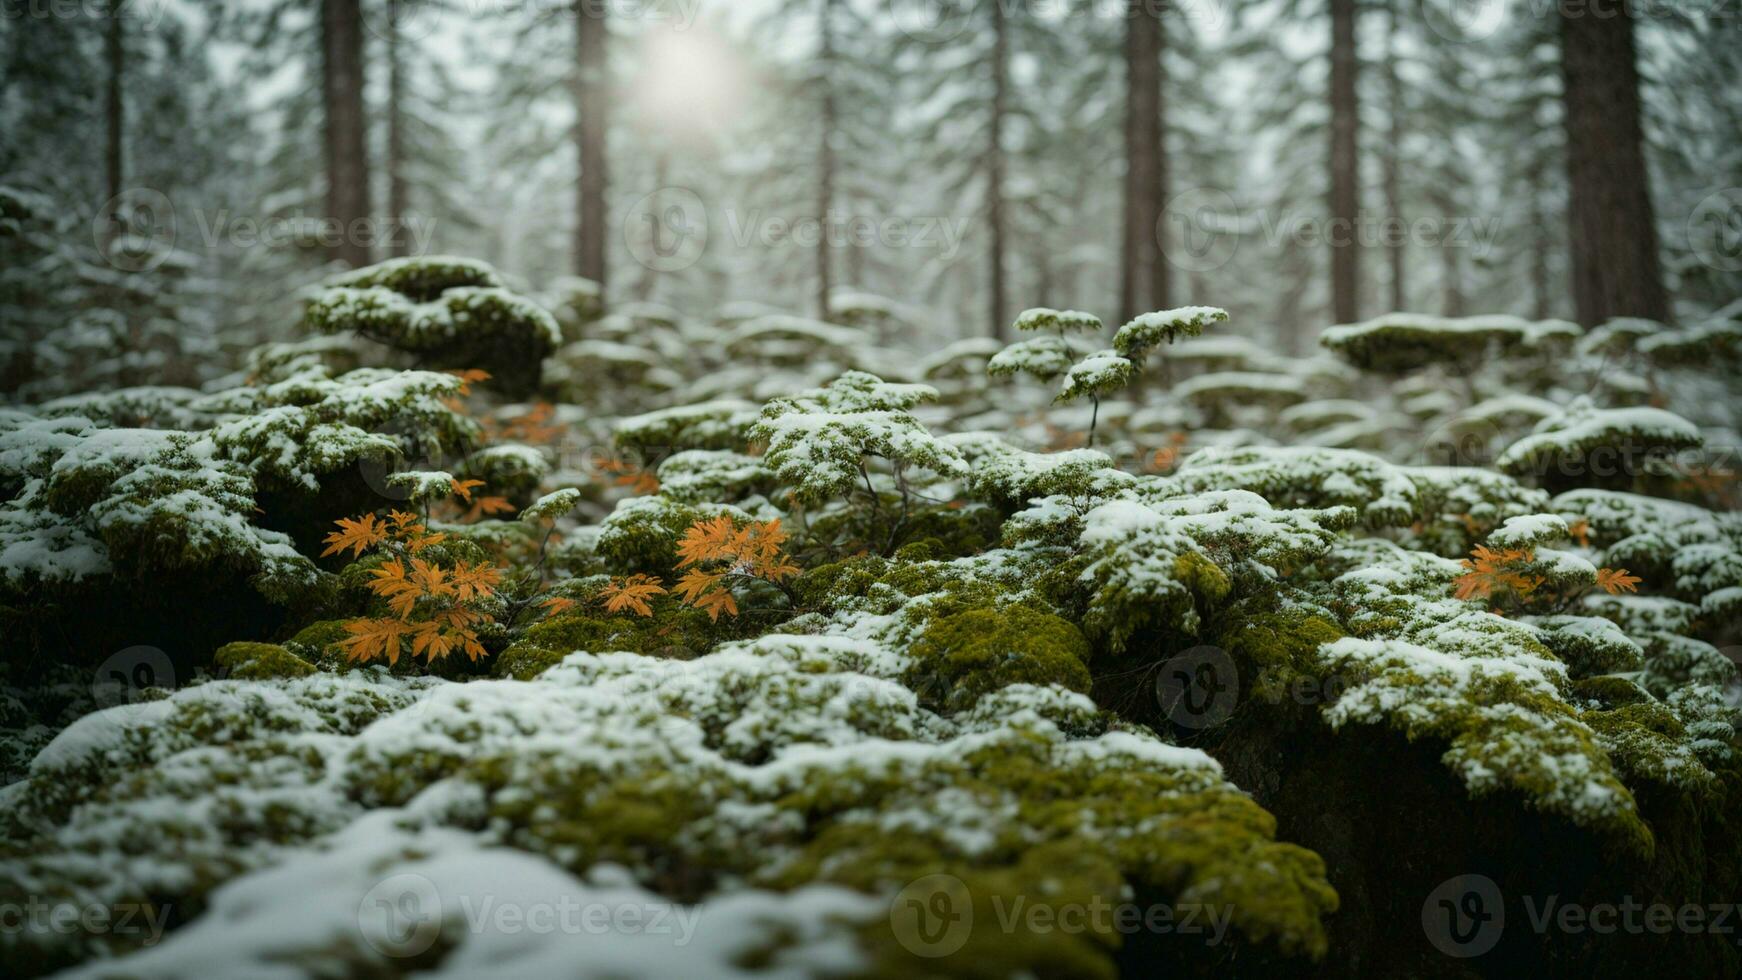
429	603
710	552
1493	570
636	477
536	426
1164	459
481	507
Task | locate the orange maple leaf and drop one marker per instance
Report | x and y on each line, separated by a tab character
358	535
474	581
373	638
1580	532
468	377
715	602
463	488
390	583
632	593
1616	581
695	582
707	540
557	604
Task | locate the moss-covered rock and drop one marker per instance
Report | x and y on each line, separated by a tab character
255	661
964	655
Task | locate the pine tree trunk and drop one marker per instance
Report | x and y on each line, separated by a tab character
649	281
995	167
114	108
826	154
1613	229
1144	282
1393	166
347	147
1539	245
591	109
1345	164
398	194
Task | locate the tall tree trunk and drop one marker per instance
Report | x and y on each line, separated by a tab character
826	154
1345	164
649	280
1452	269
995	167
398	193
1540	244
592	105
1613	229
1396	237
1144	280
114	108
347	147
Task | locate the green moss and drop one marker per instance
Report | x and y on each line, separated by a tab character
1609	691
674	631
964	655
945	532
1646	741
1277	649
257	661
641	535
318	642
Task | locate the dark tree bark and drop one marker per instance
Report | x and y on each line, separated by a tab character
347	148
1616	269
592	108
114	107
995	167
1396	238
649	280
1345	164
826	153
1145	282
398	193
1540	244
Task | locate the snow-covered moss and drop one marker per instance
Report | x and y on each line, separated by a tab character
741	776
1044	358
1403	342
1148	331
721	424
1587	442
1095	376
452	312
817	442
1308	477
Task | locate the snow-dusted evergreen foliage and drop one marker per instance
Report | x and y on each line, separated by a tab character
835	640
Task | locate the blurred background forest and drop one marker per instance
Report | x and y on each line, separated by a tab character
173	173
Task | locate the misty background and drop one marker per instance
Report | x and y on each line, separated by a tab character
173	173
